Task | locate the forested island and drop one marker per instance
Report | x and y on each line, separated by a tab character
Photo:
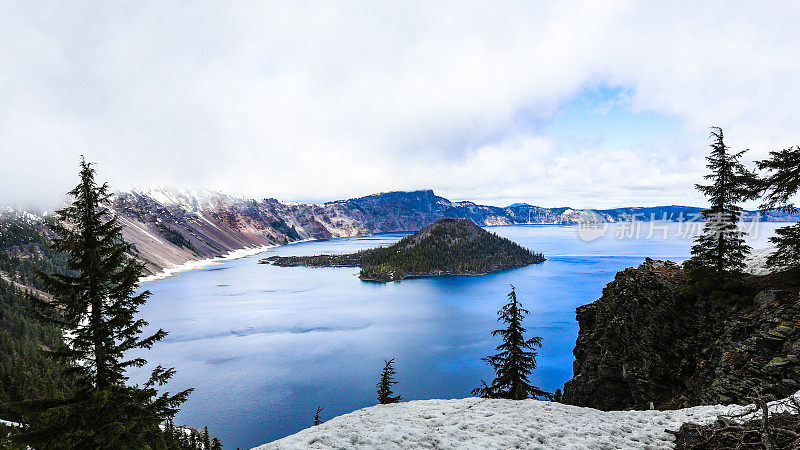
446	247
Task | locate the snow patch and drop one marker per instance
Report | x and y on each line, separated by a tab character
188	198
199	264
129	222
474	423
757	261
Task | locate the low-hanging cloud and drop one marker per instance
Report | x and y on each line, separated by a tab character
321	100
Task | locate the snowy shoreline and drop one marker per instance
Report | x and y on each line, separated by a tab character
201	263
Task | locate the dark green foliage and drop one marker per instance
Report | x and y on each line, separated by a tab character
206	439
787	248
721	247
781	183
440	251
177	437
25	249
216	444
516	360
96	307
317	420
385	394
25	371
449	246
174	237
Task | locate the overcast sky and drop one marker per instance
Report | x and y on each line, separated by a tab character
587	104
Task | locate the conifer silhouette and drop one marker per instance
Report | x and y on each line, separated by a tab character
97	308
385	394
317	420
721	247
517	357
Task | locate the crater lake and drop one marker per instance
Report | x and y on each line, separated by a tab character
263	346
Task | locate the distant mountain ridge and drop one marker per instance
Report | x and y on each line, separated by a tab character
172	226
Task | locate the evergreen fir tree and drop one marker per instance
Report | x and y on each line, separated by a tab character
787	248
206	439
216	444
517	357
721	251
317	420
781	183
783	179
385	394
96	308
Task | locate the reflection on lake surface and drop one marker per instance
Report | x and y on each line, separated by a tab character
263	346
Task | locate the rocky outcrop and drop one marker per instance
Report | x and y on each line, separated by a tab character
626	353
644	341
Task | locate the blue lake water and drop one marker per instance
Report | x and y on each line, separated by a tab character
263	346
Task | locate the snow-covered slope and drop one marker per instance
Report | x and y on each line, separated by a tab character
757	262
190	199
474	423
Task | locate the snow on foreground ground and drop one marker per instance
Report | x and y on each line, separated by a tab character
474	423
757	261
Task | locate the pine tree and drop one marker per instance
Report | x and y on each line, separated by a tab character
517	357
216	444
781	183
206	439
721	248
317	420
787	248
97	310
385	394
783	179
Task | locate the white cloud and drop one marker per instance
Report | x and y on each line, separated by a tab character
325	100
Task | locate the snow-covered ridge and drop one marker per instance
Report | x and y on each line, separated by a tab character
10	212
474	423
188	198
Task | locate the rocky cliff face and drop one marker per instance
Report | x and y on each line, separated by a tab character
643	342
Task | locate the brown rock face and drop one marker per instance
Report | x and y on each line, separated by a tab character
626	354
643	342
